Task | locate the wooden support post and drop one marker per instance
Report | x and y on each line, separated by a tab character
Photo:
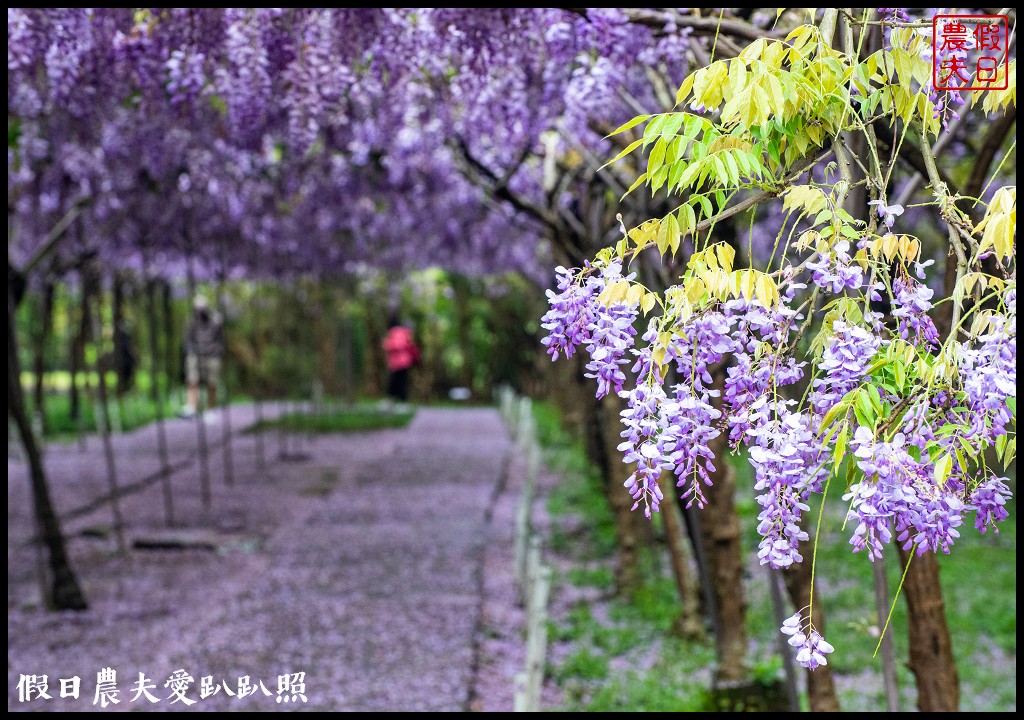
524	430
537	637
522	532
521	703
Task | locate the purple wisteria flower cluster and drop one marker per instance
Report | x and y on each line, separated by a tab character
843	365
898	491
911	304
811	646
644	442
572	313
611	338
836	272
989	370
887	400
753	375
789	465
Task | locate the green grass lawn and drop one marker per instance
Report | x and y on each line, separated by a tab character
628	659
337	420
128	413
136	409
60	380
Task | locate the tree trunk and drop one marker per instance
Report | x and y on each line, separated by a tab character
172	348
931	651
688	624
628	578
374	375
64	592
39	356
461	286
202	448
78	360
103	410
599	426
720	527
121	340
228	453
158	402
821	689
721	530
346	322
326	327
882	605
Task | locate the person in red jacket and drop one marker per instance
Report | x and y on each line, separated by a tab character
402	354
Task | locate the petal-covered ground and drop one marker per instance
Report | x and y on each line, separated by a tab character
365	561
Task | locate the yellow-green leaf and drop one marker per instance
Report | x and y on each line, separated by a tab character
629	125
624	152
636	183
943	466
647	302
840	450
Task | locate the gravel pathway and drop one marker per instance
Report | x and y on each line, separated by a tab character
361	565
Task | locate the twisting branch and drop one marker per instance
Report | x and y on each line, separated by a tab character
660	17
500	189
993	140
607	174
55	236
911	154
911	187
954	237
828	25
514	168
568	235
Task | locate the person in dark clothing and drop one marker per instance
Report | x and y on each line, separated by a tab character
204	348
402	354
124	359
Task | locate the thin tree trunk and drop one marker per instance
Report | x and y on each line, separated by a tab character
600	427
788	664
721	528
257	375
327	336
172	348
821	689
348	349
694	531
203	448
62	592
158	402
375	375
120	337
74	368
261	451
931	650
283	451
461	286
882	604
103	419
225	402
42	341
78	364
688	624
